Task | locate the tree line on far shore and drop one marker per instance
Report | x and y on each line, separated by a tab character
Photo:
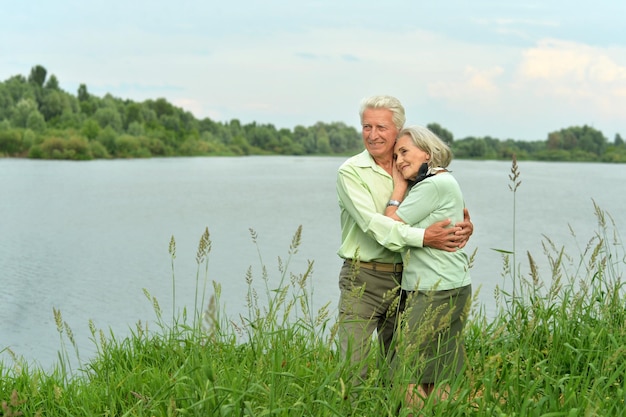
40	120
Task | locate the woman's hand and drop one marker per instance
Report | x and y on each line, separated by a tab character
400	185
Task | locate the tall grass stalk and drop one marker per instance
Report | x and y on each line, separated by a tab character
202	259
172	252
514	184
509	257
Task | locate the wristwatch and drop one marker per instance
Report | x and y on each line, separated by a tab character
393	203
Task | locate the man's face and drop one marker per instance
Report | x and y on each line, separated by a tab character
379	132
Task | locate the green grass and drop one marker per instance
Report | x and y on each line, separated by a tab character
558	348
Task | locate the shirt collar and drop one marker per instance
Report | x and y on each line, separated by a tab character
365	160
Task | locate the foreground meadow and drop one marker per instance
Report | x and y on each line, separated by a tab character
557	347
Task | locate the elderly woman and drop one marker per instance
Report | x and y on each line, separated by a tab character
436	284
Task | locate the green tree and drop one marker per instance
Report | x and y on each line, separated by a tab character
37	75
470	147
171	122
553	155
492	147
77	148
134	115
53	148
69	120
87	103
305	138
161	107
10	142
108	117
158	148
53	104
234	127
29	138
592	140
554	141
585	138
189	123
149	116
36	122
340	137
21	112
83	94
98	151
323	142
443	133
194	147
6	102
90	129
19	89
136	129
107	137
52	83
128	146
262	136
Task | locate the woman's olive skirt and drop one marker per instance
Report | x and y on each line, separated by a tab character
429	346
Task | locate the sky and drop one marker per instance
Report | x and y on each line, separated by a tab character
510	70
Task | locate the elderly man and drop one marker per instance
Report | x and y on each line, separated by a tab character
370	276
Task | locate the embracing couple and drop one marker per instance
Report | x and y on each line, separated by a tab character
405	274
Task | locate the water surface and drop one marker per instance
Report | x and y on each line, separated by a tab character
87	237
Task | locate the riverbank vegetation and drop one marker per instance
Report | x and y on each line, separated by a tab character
38	119
555	347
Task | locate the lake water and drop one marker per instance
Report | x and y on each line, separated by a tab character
87	237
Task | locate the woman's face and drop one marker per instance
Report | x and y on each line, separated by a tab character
409	158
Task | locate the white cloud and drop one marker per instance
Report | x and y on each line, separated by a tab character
587	78
475	85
